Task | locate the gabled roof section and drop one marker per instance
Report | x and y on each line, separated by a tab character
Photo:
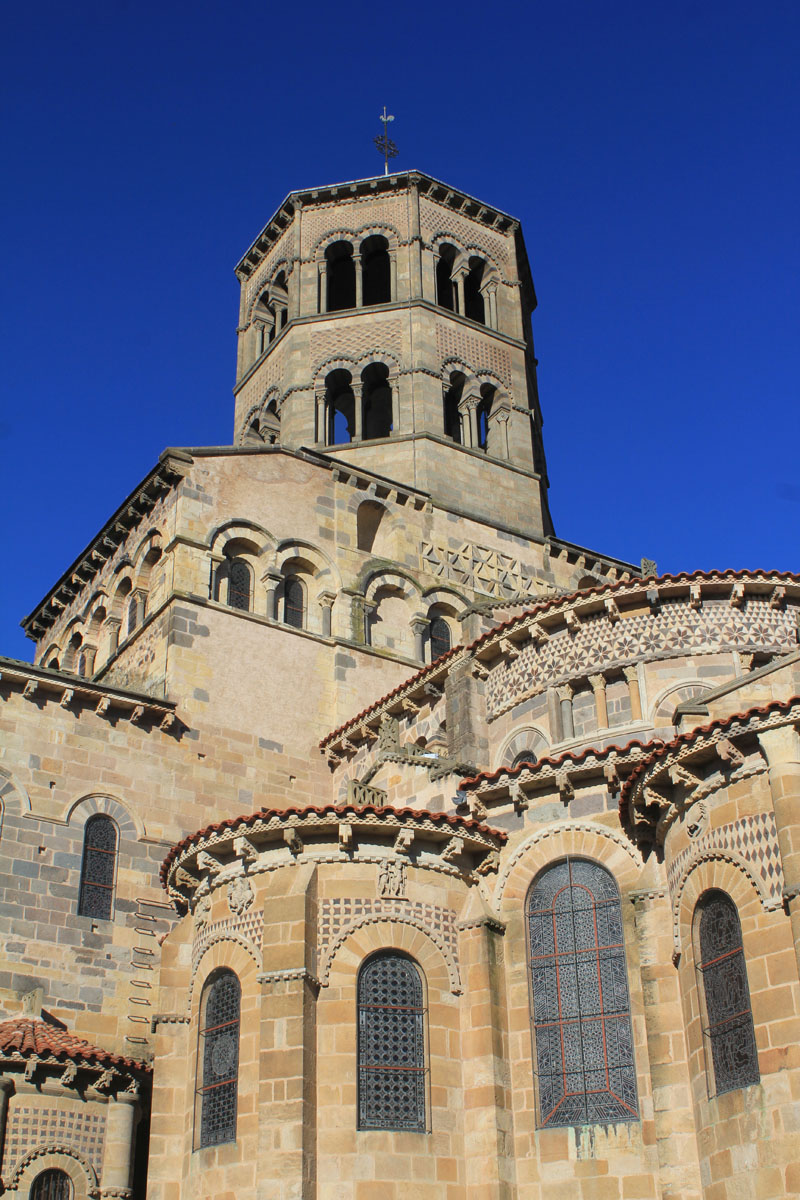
450	197
167	472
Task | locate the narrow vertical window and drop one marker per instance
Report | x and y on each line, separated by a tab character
218	1059
99	868
585	1067
293	602
239	584
391	1045
729	1033
51	1185
440	637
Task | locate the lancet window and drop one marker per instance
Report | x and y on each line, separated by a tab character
98	868
391	1044
585	1068
218	1059
728	1025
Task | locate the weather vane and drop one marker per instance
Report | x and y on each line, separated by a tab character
384	143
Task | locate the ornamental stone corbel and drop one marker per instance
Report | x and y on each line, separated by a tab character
292	839
345	836
518	797
612	608
729	753
737	594
452	850
404	841
206	862
695	597
243	848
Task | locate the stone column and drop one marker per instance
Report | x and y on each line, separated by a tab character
271	579
89	655
117	1168
258	340
490	304
418	626
459	284
598	683
554	715
359	265
565	694
321	432
632	676
393	274
415	249
484	1049
500	446
322	267
395	386
326	600
782	748
673	1113
113	626
358	411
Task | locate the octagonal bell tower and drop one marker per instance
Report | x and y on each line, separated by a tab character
387	323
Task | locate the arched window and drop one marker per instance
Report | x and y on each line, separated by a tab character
729	1034
377	400
473	297
445	292
585	1067
439	637
524	756
293	602
239	584
339	407
218	1059
375	270
133	612
482	415
391	1044
51	1185
341	276
98	868
452	399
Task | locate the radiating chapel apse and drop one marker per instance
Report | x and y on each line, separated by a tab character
585	1067
218	1059
728	1030
391	1045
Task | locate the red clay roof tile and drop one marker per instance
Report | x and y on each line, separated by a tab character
27	1037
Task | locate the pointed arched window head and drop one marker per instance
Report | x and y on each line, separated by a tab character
218	1059
99	868
585	1067
730	1036
391	1044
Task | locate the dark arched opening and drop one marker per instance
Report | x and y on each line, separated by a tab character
368	519
445	291
341	276
340	404
452	399
439	634
474	307
375	270
293	602
377	401
483	413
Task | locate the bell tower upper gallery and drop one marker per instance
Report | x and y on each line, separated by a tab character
387	323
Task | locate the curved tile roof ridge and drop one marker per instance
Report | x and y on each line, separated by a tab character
700	731
338	810
29	1037
635	583
575	756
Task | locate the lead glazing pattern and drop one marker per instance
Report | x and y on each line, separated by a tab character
391	1046
51	1185
584	1045
729	1017
219	1055
98	868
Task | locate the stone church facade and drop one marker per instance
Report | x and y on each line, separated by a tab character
361	838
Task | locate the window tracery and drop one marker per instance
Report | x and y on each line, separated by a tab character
218	1058
728	1027
98	868
581	1012
391	1044
51	1184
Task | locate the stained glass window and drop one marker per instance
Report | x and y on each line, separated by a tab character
581	1012
218	1058
293	602
729	1019
391	1045
98	868
239	584
440	637
51	1185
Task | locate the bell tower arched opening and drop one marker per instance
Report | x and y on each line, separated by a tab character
375	270
339	407
377	401
341	276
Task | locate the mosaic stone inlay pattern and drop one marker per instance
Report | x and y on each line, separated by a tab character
481	354
673	628
368	337
337	914
29	1128
248	926
435	219
351	215
480	568
755	839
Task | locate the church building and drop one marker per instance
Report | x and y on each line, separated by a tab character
363	839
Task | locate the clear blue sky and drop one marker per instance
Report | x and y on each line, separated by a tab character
649	149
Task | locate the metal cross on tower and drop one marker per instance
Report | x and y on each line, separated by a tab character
384	143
